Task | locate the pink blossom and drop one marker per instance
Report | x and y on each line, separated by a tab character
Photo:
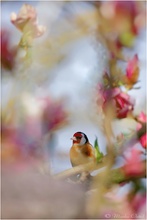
143	140
7	53
11	150
132	66
20	143
134	165
53	114
27	140
132	72
122	102
138	203
33	127
26	21
142	117
129	10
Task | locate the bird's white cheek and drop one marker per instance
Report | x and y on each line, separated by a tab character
82	141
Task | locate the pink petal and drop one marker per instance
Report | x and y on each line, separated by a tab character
132	65
115	92
134	164
142	117
27	19
143	140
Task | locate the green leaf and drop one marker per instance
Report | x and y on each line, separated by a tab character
99	155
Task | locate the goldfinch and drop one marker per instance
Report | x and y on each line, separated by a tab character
81	151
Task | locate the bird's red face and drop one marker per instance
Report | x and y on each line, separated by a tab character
79	138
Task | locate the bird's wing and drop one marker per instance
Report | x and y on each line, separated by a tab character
88	150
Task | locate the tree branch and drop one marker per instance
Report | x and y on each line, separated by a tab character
81	168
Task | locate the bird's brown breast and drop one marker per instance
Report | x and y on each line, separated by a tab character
82	154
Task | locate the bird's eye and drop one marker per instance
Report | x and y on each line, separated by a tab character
78	138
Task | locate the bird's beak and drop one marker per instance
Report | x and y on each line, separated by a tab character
73	138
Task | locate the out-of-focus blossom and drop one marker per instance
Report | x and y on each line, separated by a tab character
26	140
53	114
142	117
120	11
132	67
26	14
141	128
33	126
21	147
10	150
128	11
143	140
116	207
8	54
26	22
122	102
113	13
132	72
138	204
134	166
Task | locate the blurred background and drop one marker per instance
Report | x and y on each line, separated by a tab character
55	57
68	63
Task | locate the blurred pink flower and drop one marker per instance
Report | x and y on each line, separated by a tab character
7	54
128	10
53	114
132	67
120	11
33	127
142	119
123	103
19	144
138	203
116	206
10	150
134	165
143	140
132	72
26	21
